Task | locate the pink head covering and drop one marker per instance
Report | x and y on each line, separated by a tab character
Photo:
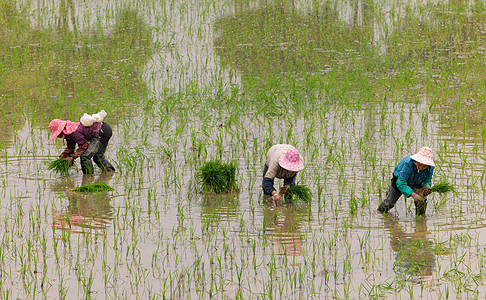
424	156
57	126
291	160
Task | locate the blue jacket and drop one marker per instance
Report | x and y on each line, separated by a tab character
408	175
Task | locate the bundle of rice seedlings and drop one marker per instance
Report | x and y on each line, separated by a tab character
60	165
301	192
442	187
93	187
217	177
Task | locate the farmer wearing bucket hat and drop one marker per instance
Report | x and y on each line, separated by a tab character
91	136
283	161
412	173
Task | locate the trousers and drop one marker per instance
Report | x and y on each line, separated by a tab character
96	151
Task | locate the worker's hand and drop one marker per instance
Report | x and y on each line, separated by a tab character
283	190
277	198
425	191
416	197
70	159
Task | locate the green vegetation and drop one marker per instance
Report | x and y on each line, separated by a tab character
93	188
297	192
217	177
354	85
442	187
70	71
60	165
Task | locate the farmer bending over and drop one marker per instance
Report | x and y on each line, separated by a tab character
283	161
92	142
410	175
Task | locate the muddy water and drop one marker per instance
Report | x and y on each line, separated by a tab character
156	236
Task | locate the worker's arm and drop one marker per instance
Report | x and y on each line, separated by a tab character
268	189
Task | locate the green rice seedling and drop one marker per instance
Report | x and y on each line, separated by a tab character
442	187
353	204
94	187
301	192
217	177
60	165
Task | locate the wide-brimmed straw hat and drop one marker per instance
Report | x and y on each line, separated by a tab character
291	160
56	126
424	156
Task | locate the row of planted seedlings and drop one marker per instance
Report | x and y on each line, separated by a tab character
133	212
121	225
134	206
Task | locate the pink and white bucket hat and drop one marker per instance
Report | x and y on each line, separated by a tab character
291	160
424	156
57	126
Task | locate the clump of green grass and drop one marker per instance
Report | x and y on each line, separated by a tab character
301	192
94	187
217	177
442	187
60	165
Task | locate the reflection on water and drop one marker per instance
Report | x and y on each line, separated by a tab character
86	211
414	251
218	207
282	223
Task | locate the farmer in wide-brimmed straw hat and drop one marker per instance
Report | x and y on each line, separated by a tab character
283	161
91	135
410	175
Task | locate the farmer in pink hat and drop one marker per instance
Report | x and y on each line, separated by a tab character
91	140
283	161
410	175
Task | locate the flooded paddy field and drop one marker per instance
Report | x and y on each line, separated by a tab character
355	86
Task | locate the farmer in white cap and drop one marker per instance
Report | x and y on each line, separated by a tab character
410	175
283	161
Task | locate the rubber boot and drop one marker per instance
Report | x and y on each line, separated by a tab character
420	207
104	164
100	159
382	208
86	165
93	148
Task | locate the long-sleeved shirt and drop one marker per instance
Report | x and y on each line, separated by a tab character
408	175
275	170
